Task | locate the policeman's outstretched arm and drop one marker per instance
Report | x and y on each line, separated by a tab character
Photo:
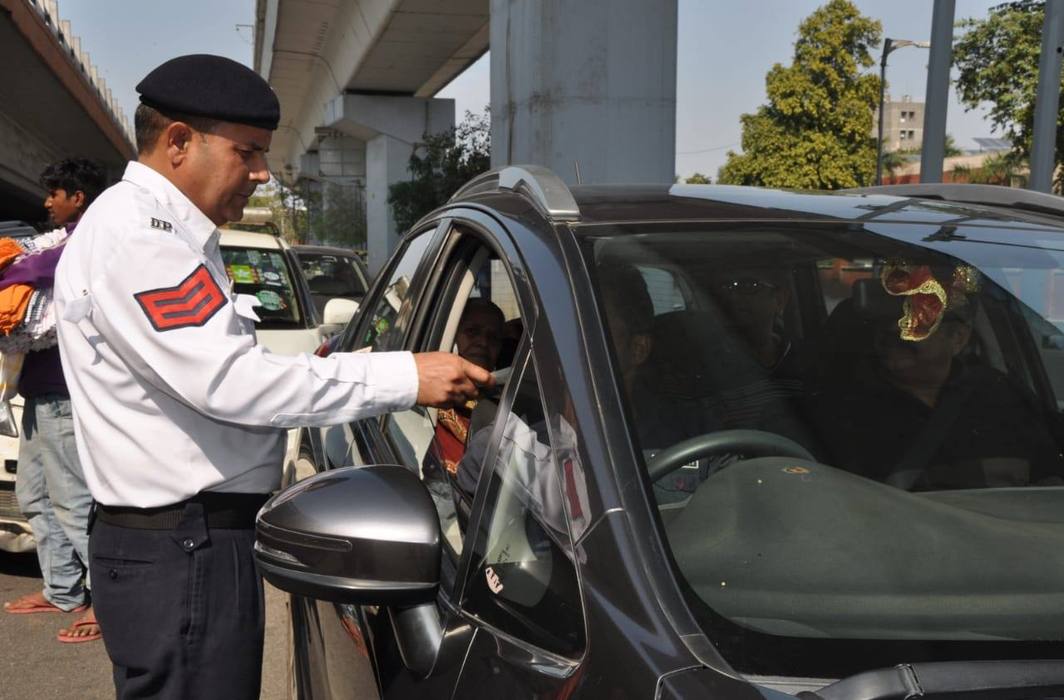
445	379
151	299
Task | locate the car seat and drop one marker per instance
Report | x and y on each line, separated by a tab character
323	284
709	379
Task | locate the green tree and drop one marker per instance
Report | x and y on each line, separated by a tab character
892	160
816	130
698	179
439	165
950	148
343	216
287	212
1006	169
997	60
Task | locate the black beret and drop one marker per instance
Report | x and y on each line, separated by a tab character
209	86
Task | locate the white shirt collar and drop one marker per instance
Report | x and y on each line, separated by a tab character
190	217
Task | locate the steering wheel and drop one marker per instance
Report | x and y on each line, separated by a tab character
752	442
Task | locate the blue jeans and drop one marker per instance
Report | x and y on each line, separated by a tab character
52	494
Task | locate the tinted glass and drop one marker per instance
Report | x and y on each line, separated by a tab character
486	335
523	579
904	490
383	330
265	275
332	275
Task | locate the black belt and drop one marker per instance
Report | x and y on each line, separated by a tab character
221	510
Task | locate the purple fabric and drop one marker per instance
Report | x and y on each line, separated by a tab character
36	270
42	372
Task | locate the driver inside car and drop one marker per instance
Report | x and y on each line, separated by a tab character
937	418
660	423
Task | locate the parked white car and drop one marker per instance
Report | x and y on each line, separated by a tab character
262	265
15	533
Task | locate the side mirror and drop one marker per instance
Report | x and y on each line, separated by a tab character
362	535
339	312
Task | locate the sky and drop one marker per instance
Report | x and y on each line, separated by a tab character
724	50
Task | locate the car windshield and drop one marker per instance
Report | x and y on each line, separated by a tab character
333	275
264	275
852	433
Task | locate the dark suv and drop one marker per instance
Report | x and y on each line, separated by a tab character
745	443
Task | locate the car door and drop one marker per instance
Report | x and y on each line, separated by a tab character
422	651
472	265
521	589
510	605
331	656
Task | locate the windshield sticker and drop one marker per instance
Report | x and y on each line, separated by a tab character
271	301
273	279
242	274
493	580
254	257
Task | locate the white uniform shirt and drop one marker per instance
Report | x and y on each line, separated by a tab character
171	394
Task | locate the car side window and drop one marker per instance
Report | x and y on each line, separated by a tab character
523	577
383	330
477	317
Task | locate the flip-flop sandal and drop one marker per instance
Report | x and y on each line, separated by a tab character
37	607
67	638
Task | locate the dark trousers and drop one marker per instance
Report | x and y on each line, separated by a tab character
181	610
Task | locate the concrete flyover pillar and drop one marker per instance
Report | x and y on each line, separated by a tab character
386	161
585	86
389	126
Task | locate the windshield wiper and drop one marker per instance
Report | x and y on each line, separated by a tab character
985	680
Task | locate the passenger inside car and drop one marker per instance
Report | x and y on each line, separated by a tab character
938	416
630	319
479	340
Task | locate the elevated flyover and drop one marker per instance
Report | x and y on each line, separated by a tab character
355	79
53	105
585	87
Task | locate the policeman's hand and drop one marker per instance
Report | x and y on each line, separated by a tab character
445	379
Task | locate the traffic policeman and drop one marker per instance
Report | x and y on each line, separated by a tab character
179	414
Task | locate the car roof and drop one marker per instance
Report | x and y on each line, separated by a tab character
590	205
16	228
325	250
629	203
251	239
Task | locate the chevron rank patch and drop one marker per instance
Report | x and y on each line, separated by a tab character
161	225
191	303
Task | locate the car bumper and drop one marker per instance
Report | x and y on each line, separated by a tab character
15	533
15	537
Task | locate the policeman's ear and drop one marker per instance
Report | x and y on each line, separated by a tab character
177	138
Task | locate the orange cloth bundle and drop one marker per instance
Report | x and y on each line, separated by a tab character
14	301
9	250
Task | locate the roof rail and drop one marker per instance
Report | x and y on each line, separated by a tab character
546	190
987	195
